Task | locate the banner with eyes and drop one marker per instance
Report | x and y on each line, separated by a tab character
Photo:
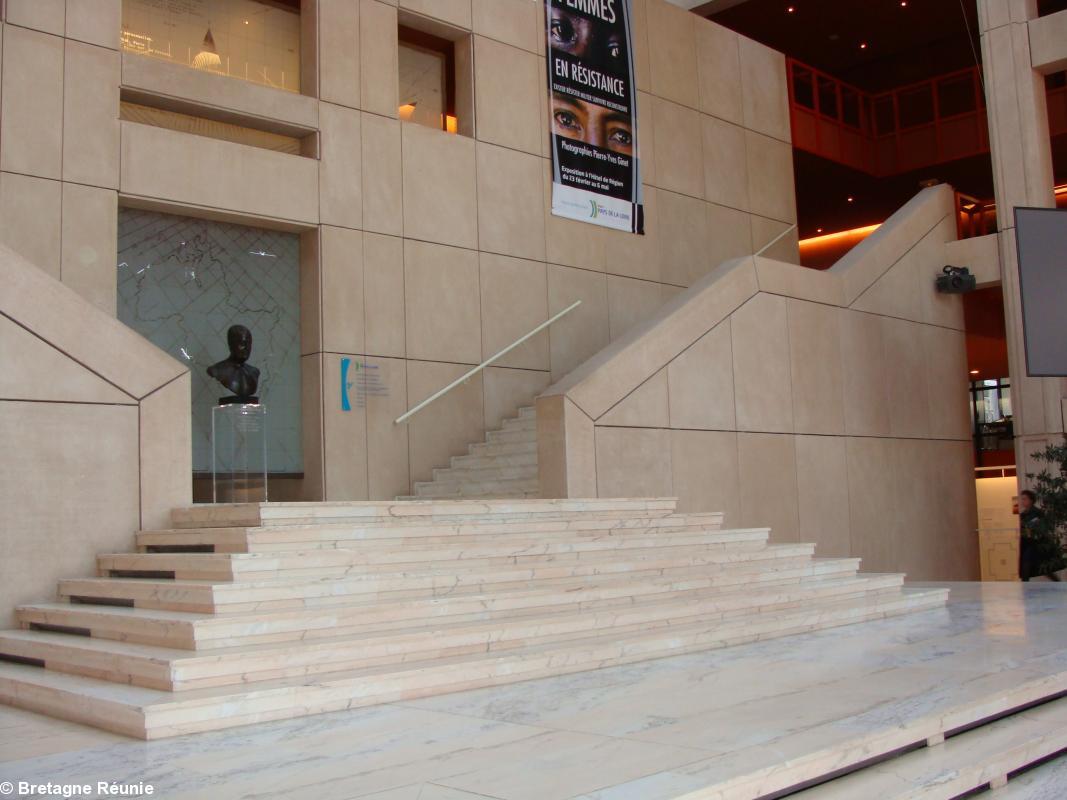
592	94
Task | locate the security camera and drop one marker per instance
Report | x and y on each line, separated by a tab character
956	280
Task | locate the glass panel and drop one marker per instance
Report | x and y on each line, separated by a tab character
850	107
828	98
422	85
803	87
183	282
916	106
884	115
956	95
247	39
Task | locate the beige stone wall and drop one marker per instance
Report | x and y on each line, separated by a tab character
829	406
94	431
424	252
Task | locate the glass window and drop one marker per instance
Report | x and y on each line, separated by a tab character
850	107
916	106
248	39
182	282
828	98
426	80
803	87
884	115
956	95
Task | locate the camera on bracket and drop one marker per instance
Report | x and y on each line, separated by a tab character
956	280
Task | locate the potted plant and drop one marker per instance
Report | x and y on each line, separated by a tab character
1050	484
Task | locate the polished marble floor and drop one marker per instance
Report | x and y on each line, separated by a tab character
649	731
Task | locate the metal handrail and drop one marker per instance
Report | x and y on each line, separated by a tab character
471	373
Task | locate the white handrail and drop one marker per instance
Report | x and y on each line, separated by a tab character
469	374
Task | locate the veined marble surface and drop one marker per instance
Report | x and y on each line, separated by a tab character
649	731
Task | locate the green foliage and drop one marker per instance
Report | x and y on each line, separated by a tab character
1050	484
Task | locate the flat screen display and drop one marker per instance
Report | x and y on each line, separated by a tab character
1041	235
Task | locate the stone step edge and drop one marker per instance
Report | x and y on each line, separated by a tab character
67	652
964	762
201	632
272	514
157	714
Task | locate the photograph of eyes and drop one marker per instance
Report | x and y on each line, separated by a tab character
592	124
592	43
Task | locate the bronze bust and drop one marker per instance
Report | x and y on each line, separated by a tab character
234	373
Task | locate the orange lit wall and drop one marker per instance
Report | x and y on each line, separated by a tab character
822	252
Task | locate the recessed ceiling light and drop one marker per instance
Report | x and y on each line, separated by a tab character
903	3
974	372
818	230
863	45
851	199
791	9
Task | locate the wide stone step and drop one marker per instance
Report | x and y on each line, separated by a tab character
495	472
488	550
301	592
504	460
962	763
202	631
519	424
273	514
178	670
155	714
406	533
494	449
485	488
512	437
325	563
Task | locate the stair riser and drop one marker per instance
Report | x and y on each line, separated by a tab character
322	698
361	565
371	562
376	536
512	437
225	600
483	462
476	488
389	649
282	514
304	625
495	472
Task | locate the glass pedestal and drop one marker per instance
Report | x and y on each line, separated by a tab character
239	453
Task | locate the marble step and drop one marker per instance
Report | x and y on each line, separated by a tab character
273	514
962	763
409	533
457	495
187	630
519	424
231	566
153	714
301	592
495	449
528	412
180	670
337	563
504	460
486	488
493	472
512	437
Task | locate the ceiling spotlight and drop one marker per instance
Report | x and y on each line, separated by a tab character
818	230
863	45
851	199
791	9
903	3
974	372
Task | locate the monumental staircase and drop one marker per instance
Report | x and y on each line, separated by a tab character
503	466
247	613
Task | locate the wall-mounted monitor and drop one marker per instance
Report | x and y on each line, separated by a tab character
1041	235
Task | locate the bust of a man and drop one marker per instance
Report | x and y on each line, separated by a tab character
234	373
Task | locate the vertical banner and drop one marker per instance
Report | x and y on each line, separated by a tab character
596	174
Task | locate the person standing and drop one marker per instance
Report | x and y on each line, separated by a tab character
1031	519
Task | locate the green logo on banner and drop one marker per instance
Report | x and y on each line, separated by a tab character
595	211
